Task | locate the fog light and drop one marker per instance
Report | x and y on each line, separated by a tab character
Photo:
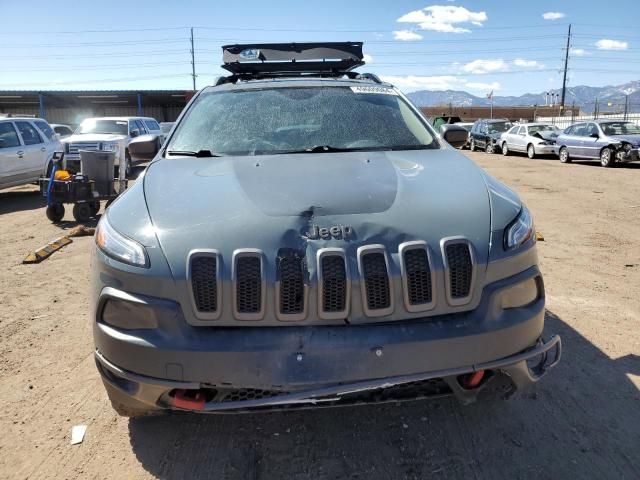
522	293
128	315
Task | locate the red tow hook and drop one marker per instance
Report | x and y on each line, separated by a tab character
471	380
189	399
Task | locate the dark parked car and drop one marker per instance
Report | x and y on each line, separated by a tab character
485	134
337	252
610	141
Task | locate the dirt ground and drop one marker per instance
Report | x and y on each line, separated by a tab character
581	421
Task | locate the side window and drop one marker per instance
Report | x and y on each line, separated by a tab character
513	130
46	129
522	131
133	126
568	130
8	135
592	129
141	127
152	125
30	135
580	129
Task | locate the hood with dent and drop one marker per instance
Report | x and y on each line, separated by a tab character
272	202
93	137
632	139
546	135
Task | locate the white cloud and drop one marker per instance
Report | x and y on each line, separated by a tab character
521	62
553	15
406	35
367	58
444	18
578	52
441	82
483	86
607	44
485	66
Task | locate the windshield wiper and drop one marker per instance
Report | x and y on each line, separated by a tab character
199	153
329	149
411	147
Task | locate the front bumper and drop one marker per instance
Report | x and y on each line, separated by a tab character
632	155
545	149
317	364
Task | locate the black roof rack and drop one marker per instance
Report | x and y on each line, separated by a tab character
259	60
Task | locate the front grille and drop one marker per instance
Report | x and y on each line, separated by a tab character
376	281
242	394
460	270
77	146
204	283
291	290
334	284
248	284
418	276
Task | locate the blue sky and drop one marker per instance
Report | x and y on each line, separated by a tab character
478	46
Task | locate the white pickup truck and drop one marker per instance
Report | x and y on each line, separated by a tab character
107	134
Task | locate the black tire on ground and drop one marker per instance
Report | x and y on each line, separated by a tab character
531	151
95	207
472	145
55	212
82	212
607	158
489	147
505	149
564	155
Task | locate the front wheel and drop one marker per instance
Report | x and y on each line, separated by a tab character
472	145
531	151
489	148
55	212
82	212
606	158
505	149
564	155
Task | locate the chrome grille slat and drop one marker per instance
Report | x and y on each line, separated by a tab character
375	281
204	283
75	147
203	280
418	277
291	288
334	286
248	284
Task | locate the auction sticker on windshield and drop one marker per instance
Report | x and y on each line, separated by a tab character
381	90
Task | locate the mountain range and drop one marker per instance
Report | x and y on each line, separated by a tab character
610	98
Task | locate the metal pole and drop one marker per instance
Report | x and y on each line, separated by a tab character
626	106
41	105
566	64
193	61
139	104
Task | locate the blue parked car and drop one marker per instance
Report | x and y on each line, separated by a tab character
610	141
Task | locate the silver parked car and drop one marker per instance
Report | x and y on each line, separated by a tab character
339	252
610	141
531	138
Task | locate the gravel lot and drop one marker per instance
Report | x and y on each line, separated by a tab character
581	421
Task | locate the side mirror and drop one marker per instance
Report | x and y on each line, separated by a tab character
594	135
144	147
57	157
134	133
454	135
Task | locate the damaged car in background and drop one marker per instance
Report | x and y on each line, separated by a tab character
312	241
531	138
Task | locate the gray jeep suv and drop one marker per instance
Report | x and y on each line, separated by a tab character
304	237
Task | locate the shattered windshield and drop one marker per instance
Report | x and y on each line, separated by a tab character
285	120
498	127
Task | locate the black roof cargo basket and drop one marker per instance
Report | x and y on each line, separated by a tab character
289	59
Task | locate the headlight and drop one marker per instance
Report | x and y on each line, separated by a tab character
119	247
520	230
110	147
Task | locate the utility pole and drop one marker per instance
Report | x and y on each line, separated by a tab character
193	62
566	65
626	107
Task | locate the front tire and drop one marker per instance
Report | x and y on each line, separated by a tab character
82	212
505	149
531	151
606	158
55	212
564	155
472	145
489	148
